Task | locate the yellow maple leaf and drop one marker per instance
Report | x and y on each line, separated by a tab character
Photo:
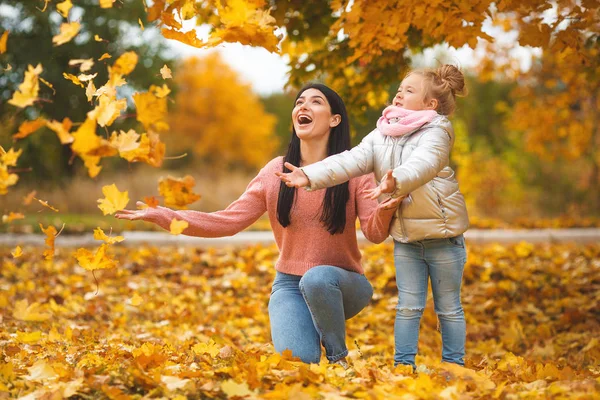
29	337
165	72
100	235
206	348
106	3
178	192
45	204
3	40
85	64
85	138
86	77
29	89
160	91
17	252
51	234
125	141
126	63
177	226
64	8
29	312
41	370
104	56
98	39
73	79
151	111
6	179
62	130
29	198
232	388
91	163
107	110
7	219
90	90
68	31
10	157
136	300
92	261
28	127
114	200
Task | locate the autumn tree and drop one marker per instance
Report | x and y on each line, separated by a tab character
104	34
219	117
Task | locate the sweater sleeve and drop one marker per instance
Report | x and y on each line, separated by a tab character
236	217
425	162
341	167
374	219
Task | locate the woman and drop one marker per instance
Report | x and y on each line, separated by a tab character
319	282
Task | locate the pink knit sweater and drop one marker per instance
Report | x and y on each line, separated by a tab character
305	243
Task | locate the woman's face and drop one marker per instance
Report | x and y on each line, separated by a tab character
312	116
411	93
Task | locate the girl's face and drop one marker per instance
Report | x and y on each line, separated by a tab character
411	94
312	116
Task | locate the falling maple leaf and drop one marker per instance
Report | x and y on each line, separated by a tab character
177	226
165	72
28	90
28	127
160	91
85	64
151	111
29	198
178	192
73	79
64	8
104	56
45	204
107	110
126	63
68	31
62	130
3	40
51	234
151	201
106	3
100	235
98	39
17	252
7	219
114	200
93	261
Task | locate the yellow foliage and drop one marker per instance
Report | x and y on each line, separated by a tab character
114	199
68	31
220	117
178	192
177	227
28	90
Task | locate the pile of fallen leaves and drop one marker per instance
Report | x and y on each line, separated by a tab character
188	322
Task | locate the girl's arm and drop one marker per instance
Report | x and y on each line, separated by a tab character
425	162
339	168
374	218
237	216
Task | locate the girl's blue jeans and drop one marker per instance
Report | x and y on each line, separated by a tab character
443	261
308	310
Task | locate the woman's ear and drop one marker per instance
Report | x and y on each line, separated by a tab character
432	104
335	120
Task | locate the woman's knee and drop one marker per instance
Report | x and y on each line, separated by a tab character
319	278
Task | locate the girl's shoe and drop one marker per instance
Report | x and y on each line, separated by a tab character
342	362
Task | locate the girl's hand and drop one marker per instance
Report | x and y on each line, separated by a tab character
296	178
145	214
391	203
387	185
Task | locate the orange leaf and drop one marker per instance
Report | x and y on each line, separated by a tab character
92	261
28	127
50	233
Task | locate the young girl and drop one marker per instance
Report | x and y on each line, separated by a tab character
409	154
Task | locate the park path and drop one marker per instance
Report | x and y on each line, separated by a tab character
134	238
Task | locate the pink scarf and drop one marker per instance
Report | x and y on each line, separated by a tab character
398	121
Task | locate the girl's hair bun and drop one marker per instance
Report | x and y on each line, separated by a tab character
452	78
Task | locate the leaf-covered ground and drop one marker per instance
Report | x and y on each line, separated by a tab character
191	323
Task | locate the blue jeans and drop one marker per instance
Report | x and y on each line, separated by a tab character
308	310
443	260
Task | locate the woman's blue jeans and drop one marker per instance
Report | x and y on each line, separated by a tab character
443	261
308	310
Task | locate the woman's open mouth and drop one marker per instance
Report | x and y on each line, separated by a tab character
304	120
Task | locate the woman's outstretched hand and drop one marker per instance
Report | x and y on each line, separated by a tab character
296	178
387	185
145	214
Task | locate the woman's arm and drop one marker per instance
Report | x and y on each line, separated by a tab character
374	218
237	216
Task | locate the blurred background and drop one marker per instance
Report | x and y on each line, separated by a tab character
527	151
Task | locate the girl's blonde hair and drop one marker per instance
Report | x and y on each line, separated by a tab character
443	83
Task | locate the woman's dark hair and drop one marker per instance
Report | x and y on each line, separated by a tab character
333	214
